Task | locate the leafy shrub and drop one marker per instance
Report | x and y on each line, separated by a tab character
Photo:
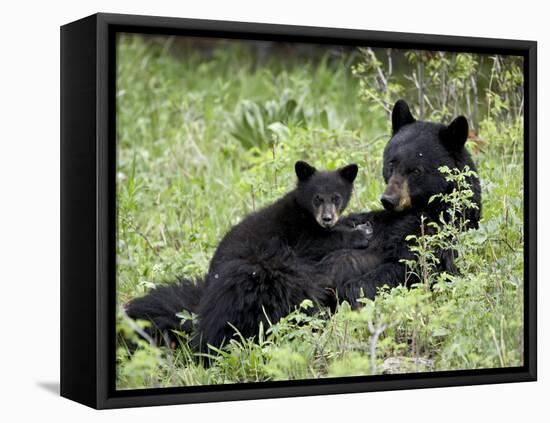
440	85
259	125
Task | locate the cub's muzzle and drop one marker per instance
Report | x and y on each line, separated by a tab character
327	216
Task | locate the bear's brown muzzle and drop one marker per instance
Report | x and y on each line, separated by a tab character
396	197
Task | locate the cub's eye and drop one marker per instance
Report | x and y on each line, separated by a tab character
317	201
416	171
336	199
390	167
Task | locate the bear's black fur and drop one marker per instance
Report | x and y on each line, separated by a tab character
162	304
412	158
264	266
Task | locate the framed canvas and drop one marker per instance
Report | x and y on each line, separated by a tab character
258	211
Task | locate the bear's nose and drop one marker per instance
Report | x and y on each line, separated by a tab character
388	201
327	218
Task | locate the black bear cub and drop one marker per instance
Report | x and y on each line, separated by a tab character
412	158
264	266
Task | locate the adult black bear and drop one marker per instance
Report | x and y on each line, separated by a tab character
412	159
265	265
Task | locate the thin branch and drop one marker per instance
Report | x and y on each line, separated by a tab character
376	331
141	234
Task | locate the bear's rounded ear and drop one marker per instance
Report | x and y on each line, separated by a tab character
455	135
303	170
349	172
400	116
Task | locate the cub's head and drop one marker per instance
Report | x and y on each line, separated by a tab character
324	194
415	153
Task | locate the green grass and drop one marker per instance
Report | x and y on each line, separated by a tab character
204	140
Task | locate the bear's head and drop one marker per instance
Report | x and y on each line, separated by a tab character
323	194
415	153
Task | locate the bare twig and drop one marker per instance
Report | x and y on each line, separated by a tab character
420	84
375	331
141	234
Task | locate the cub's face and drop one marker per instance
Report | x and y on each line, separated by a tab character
324	195
413	156
327	207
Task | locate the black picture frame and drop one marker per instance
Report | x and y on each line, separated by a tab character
88	210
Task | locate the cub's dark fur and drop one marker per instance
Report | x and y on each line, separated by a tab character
412	159
265	265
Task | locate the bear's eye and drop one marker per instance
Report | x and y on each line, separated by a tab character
390	167
416	171
318	200
336	199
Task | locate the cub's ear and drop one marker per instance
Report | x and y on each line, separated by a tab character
400	116
304	170
455	135
348	172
